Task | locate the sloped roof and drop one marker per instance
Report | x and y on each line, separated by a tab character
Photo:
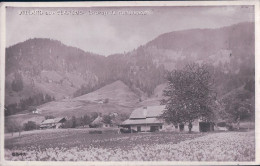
142	121
55	120
98	120
148	112
47	121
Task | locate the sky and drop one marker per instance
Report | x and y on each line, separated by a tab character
111	30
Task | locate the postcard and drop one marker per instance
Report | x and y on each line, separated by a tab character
130	83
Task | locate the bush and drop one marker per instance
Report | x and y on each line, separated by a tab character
30	125
126	130
95	132
12	126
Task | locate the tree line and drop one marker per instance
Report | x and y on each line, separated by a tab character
28	104
12	125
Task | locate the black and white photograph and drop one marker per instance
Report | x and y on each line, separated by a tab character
137	82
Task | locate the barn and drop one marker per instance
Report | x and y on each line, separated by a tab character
52	123
145	119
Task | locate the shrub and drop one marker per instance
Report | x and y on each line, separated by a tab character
30	125
95	132
12	126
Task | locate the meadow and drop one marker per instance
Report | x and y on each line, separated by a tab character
79	145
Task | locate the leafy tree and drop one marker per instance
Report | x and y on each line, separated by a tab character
107	119
28	103
123	116
189	95
86	120
30	125
67	124
11	109
238	107
48	98
12	126
31	108
79	121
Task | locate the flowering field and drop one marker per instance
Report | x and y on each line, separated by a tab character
81	146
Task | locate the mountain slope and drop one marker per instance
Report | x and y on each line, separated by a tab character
229	51
116	92
50	67
228	45
115	97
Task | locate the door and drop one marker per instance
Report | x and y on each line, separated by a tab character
139	128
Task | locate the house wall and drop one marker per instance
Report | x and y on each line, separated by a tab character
106	125
168	127
144	127
195	127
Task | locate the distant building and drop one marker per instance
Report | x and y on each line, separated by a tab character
99	122
100	102
52	123
145	119
113	114
37	111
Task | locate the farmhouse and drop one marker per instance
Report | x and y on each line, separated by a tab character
145	119
52	123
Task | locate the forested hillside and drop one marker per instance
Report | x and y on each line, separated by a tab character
38	67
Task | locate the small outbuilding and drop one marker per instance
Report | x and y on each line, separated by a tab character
98	123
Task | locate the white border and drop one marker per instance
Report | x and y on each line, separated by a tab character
255	3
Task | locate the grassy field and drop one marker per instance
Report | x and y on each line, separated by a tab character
79	145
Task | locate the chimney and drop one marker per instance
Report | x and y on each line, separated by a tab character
145	111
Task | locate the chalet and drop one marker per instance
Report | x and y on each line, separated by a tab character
52	123
145	119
